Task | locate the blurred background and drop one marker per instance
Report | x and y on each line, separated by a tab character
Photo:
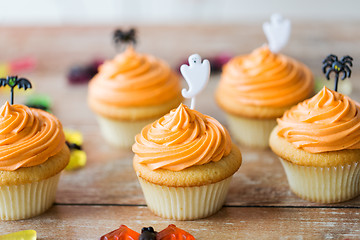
58	12
46	40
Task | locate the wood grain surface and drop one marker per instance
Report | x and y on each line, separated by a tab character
91	222
105	194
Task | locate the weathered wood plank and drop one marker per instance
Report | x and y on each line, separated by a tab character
91	222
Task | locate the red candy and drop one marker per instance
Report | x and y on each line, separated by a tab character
174	233
122	233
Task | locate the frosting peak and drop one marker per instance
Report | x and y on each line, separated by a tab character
133	79
28	137
329	121
5	109
180	119
181	139
263	78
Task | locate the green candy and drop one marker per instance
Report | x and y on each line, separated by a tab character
39	101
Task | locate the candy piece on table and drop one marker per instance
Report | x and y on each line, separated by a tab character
218	61
174	233
77	160
17	66
4	70
148	233
83	74
22	235
74	140
39	101
78	74
74	136
23	64
122	233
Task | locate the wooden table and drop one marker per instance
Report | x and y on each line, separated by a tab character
98	198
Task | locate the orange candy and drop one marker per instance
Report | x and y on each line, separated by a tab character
169	233
122	233
174	233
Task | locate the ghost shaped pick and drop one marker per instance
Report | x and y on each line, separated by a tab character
277	32
197	75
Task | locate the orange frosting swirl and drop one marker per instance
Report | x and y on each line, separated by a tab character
263	78
132	79
28	137
181	139
329	121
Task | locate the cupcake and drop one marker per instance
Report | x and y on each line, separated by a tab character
32	155
256	89
131	91
184	162
318	143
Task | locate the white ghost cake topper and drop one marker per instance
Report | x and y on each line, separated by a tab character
277	32
197	75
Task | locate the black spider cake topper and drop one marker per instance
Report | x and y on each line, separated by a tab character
13	81
121	37
332	64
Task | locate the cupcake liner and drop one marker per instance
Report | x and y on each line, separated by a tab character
185	203
251	131
121	133
27	200
323	184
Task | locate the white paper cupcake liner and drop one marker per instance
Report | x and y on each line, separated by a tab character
185	203
27	200
251	131
121	133
324	184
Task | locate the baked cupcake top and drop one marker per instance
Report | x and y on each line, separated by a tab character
132	79
28	136
181	139
263	78
329	121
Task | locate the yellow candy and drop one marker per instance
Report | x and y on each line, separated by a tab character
77	157
22	235
4	70
77	160
73	136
